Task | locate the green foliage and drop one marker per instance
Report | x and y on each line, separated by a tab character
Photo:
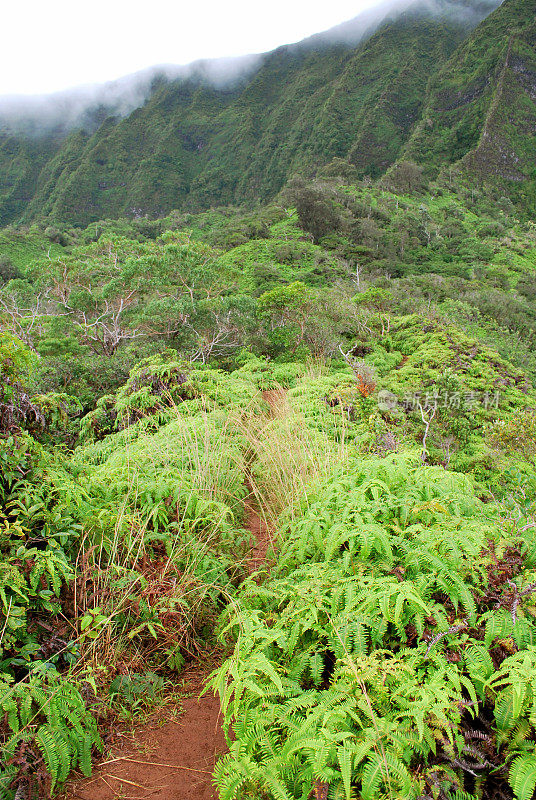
135	689
15	359
149	516
316	207
362	654
518	435
523	777
21	248
47	723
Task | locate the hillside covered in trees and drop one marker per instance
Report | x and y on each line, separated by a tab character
267	419
194	144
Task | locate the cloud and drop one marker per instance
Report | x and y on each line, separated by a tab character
85	107
465	12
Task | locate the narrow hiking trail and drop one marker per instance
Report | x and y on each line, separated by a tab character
173	759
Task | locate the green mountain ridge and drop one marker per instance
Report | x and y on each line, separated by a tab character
193	146
481	106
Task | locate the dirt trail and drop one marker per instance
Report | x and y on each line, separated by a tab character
171	762
174	760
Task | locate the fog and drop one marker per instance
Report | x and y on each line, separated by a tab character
466	12
87	106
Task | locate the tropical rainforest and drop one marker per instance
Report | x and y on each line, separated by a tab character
311	293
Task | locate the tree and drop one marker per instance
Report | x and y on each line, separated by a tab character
287	308
315	204
22	310
220	327
99	288
406	177
16	406
117	290
8	270
54	235
180	274
380	302
300	316
369	232
339	168
185	294
516	435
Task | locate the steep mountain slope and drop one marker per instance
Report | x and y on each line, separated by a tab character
194	145
21	162
204	147
481	107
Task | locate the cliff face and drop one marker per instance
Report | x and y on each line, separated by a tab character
422	86
481	106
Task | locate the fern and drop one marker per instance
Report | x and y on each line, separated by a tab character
522	777
50	711
383	570
479	666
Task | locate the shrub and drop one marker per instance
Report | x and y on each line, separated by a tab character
366	663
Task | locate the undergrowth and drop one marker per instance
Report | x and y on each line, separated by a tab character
392	651
114	563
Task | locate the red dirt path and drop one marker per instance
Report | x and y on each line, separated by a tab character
179	755
171	762
174	760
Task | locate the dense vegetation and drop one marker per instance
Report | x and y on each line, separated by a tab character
388	647
391	653
304	105
398	323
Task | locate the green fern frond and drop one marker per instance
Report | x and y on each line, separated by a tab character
522	777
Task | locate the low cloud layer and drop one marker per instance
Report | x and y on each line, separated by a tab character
465	12
86	106
82	106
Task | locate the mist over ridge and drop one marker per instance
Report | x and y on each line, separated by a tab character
415	81
86	107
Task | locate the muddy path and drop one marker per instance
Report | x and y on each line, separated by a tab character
173	758
162	761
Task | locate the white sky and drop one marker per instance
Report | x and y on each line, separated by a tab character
50	45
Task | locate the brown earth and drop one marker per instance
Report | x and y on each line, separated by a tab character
173	759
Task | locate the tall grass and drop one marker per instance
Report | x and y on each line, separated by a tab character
285	454
160	507
170	518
